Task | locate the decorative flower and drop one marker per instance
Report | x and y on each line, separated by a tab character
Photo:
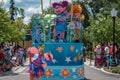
80	56
65	73
80	72
75	59
72	48
48	73
59	49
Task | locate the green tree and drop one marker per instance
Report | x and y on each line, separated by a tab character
100	31
10	32
100	6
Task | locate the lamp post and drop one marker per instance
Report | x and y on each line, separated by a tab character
114	14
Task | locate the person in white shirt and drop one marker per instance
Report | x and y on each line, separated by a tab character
98	55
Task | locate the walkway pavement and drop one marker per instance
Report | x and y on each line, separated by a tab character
91	64
15	70
19	69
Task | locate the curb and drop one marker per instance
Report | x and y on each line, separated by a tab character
101	69
109	72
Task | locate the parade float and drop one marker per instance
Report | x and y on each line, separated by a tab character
60	33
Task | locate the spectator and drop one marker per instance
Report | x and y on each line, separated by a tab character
97	56
113	53
102	55
21	56
24	54
107	55
14	58
8	57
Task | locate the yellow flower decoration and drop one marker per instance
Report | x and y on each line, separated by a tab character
80	72
48	73
80	56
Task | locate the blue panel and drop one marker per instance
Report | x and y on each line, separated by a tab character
65	51
64	73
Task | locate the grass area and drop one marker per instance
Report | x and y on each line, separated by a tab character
116	70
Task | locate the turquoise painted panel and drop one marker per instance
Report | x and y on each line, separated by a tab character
64	73
67	63
65	54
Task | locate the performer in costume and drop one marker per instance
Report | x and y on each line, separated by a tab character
77	18
62	14
38	62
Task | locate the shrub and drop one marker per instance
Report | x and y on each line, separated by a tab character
116	70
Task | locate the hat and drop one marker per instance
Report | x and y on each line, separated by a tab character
63	4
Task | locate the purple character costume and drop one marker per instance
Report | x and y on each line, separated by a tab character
60	26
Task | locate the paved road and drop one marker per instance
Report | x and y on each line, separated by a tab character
93	74
90	73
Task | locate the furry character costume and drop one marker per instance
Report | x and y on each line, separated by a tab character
77	18
38	61
60	27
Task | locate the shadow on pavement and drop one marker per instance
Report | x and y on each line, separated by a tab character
8	73
87	79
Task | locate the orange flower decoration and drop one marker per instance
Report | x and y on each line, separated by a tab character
48	73
59	49
72	48
80	72
65	73
75	59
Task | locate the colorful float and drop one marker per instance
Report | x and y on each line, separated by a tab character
59	38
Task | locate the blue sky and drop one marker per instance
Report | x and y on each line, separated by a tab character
30	6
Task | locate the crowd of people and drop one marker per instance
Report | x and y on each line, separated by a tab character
107	55
11	56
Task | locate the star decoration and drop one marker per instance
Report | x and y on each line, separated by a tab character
74	69
68	59
54	61
76	50
79	56
81	48
59	49
48	73
80	72
74	76
65	73
72	48
75	59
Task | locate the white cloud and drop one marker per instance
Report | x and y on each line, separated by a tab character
27	19
30	6
19	1
3	1
33	10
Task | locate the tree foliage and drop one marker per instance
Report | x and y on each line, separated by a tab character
101	30
100	6
11	32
